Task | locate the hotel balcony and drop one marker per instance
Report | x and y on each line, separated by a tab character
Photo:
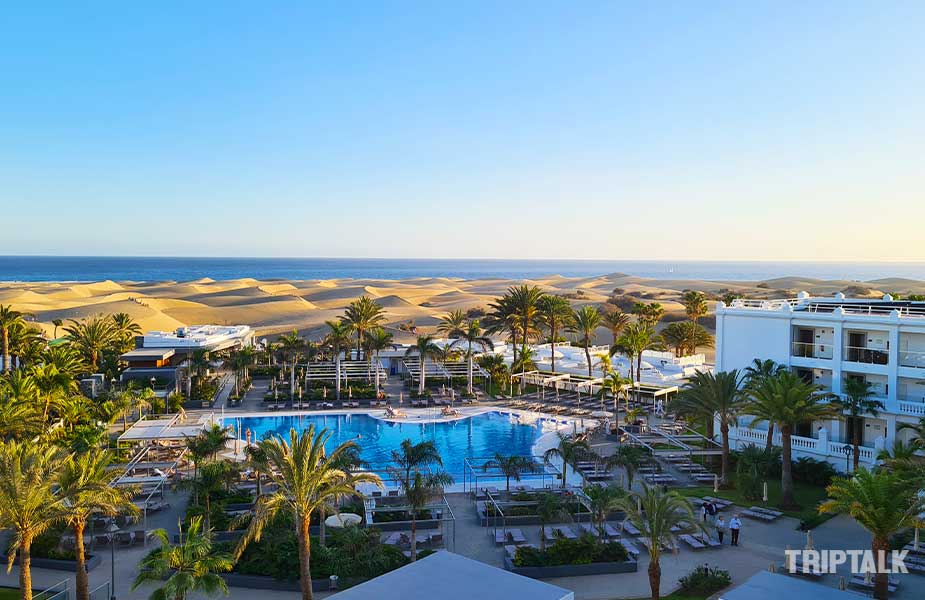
811	350
912	350
866	356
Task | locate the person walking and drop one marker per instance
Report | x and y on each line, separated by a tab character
720	528
712	511
734	526
703	510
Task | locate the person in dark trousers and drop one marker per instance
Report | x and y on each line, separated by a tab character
734	525
711	511
720	528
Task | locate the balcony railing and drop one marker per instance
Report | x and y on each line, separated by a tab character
870	356
916	409
811	350
911	358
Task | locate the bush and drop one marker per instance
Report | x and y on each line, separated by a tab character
704	581
585	550
813	472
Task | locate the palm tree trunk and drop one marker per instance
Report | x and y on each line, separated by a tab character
857	447
377	374
305	551
588	354
337	373
322	530
770	441
469	371
421	382
881	548
83	581
25	569
208	512
564	471
655	573
724	430
414	536
786	474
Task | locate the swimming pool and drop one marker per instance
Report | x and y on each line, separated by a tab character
480	435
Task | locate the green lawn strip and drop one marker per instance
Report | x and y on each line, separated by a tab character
9	593
807	496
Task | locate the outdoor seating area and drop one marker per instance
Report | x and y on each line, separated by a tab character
762	514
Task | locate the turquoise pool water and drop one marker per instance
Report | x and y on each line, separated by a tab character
478	436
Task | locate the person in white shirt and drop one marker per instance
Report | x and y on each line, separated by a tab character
720	528
734	526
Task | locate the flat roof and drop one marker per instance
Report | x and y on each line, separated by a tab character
148	354
449	576
764	584
209	337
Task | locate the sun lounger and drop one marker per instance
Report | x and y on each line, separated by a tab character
516	536
630	548
691	541
393	539
499	537
767	511
758	516
859	582
611	531
815	572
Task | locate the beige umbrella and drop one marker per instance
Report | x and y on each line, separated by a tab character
343	520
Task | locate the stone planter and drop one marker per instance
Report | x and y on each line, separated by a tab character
406	525
59	564
608	568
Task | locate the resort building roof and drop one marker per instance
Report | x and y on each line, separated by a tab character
199	337
450	576
763	585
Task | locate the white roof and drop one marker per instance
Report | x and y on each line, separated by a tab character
198	336
449	576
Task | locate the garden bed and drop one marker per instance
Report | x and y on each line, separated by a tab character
58	564
606	568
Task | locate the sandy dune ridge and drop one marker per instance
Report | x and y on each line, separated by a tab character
276	306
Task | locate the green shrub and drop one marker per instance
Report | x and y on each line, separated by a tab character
704	581
585	550
813	472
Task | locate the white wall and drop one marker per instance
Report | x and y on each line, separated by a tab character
747	337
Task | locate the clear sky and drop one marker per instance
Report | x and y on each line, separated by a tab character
534	129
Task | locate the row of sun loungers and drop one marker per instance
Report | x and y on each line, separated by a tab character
403	538
512	536
719	503
762	514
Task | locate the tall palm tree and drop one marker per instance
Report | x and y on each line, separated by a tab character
883	503
857	402
28	502
569	450
420	456
125	331
660	517
650	313
8	319
603	500
377	340
307	479
616	321
549	509
199	364
709	396
503	317
419	489
511	466
754	374
91	337
292	345
363	314
695	305
338	340
424	348
585	322
788	401
452	324
57	323
628	458
555	313
471	335
526	300
525	362
636	339
190	566
84	483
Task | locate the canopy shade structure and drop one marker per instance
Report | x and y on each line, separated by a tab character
449	576
349	369
172	428
412	364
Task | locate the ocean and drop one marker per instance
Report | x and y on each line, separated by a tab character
95	268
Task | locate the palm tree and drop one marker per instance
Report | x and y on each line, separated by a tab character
425	348
452	324
411	456
511	466
856	401
84	483
754	374
603	500
190	566
788	401
292	346
524	362
472	334
628	458
614	383
377	340
686	336
28	502
125	330
199	364
660	517
585	322
902	457
337	339
307	479
616	321
419	489
497	369
91	337
883	503
555	313
711	396
549	509
362	315
211	478
636	339
695	305
9	318
504	317
256	459
526	299
650	314
57	323
569	450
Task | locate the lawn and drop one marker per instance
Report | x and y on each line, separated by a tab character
9	593
807	496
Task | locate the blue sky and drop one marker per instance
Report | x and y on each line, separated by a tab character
765	130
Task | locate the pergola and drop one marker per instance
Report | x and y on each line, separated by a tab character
447	370
356	369
172	428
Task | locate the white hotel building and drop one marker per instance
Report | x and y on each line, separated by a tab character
827	341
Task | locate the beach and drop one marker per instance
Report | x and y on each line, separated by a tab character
276	306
